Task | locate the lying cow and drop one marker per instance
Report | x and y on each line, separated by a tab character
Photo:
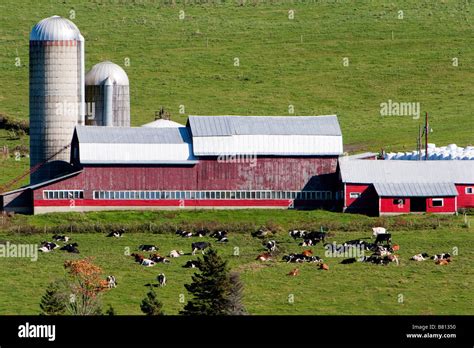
47	247
161	279
159	259
59	238
441	257
147	263
420	257
294	272
184	234
175	253
148	247
199	246
71	248
191	264
295	234
111	282
264	257
261	233
116	234
271	246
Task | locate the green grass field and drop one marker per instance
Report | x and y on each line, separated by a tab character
345	289
283	61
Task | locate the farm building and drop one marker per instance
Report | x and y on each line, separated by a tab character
399	187
213	162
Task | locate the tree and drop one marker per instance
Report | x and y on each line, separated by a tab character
210	289
51	302
236	306
151	305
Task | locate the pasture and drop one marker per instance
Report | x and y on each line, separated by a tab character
189	62
410	288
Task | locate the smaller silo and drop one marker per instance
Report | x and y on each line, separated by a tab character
107	96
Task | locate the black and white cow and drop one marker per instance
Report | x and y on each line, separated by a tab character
111	282
191	264
420	257
148	247
60	238
71	248
295	234
271	245
199	246
47	247
161	278
444	256
116	234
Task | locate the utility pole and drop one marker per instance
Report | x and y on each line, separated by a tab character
418	142
426	136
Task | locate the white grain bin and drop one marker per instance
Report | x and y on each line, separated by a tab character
56	95
107	96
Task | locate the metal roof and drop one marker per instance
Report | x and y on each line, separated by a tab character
138	145
55	28
204	126
367	172
266	135
363	155
101	71
416	189
132	135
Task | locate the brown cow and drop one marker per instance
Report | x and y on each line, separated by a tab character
294	272
324	267
264	257
308	252
443	262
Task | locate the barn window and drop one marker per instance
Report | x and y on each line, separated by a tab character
469	190
438	202
122	195
354	195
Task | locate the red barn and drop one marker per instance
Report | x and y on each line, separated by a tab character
213	162
398	187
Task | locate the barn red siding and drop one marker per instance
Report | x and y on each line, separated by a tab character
393	205
449	205
367	203
269	173
465	200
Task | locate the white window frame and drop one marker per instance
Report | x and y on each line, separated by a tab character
354	195
437	200
469	188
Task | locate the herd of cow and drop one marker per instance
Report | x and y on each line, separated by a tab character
382	249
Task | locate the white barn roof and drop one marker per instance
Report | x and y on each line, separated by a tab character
416	190
266	135
140	145
403	172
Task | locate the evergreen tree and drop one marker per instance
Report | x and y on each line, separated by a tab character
151	305
52	302
210	288
236	306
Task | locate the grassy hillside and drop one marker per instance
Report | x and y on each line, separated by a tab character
424	287
283	61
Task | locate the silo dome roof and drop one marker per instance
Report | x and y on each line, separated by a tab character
101	71
55	28
162	123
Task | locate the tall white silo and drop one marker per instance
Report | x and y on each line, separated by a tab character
56	94
107	96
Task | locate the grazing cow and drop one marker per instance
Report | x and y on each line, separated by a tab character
147	263
324	267
271	245
116	234
147	247
161	279
378	230
47	247
199	246
111	282
264	257
419	257
175	253
308	252
71	248
294	272
441	256
159	259
386	237
191	264
59	238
